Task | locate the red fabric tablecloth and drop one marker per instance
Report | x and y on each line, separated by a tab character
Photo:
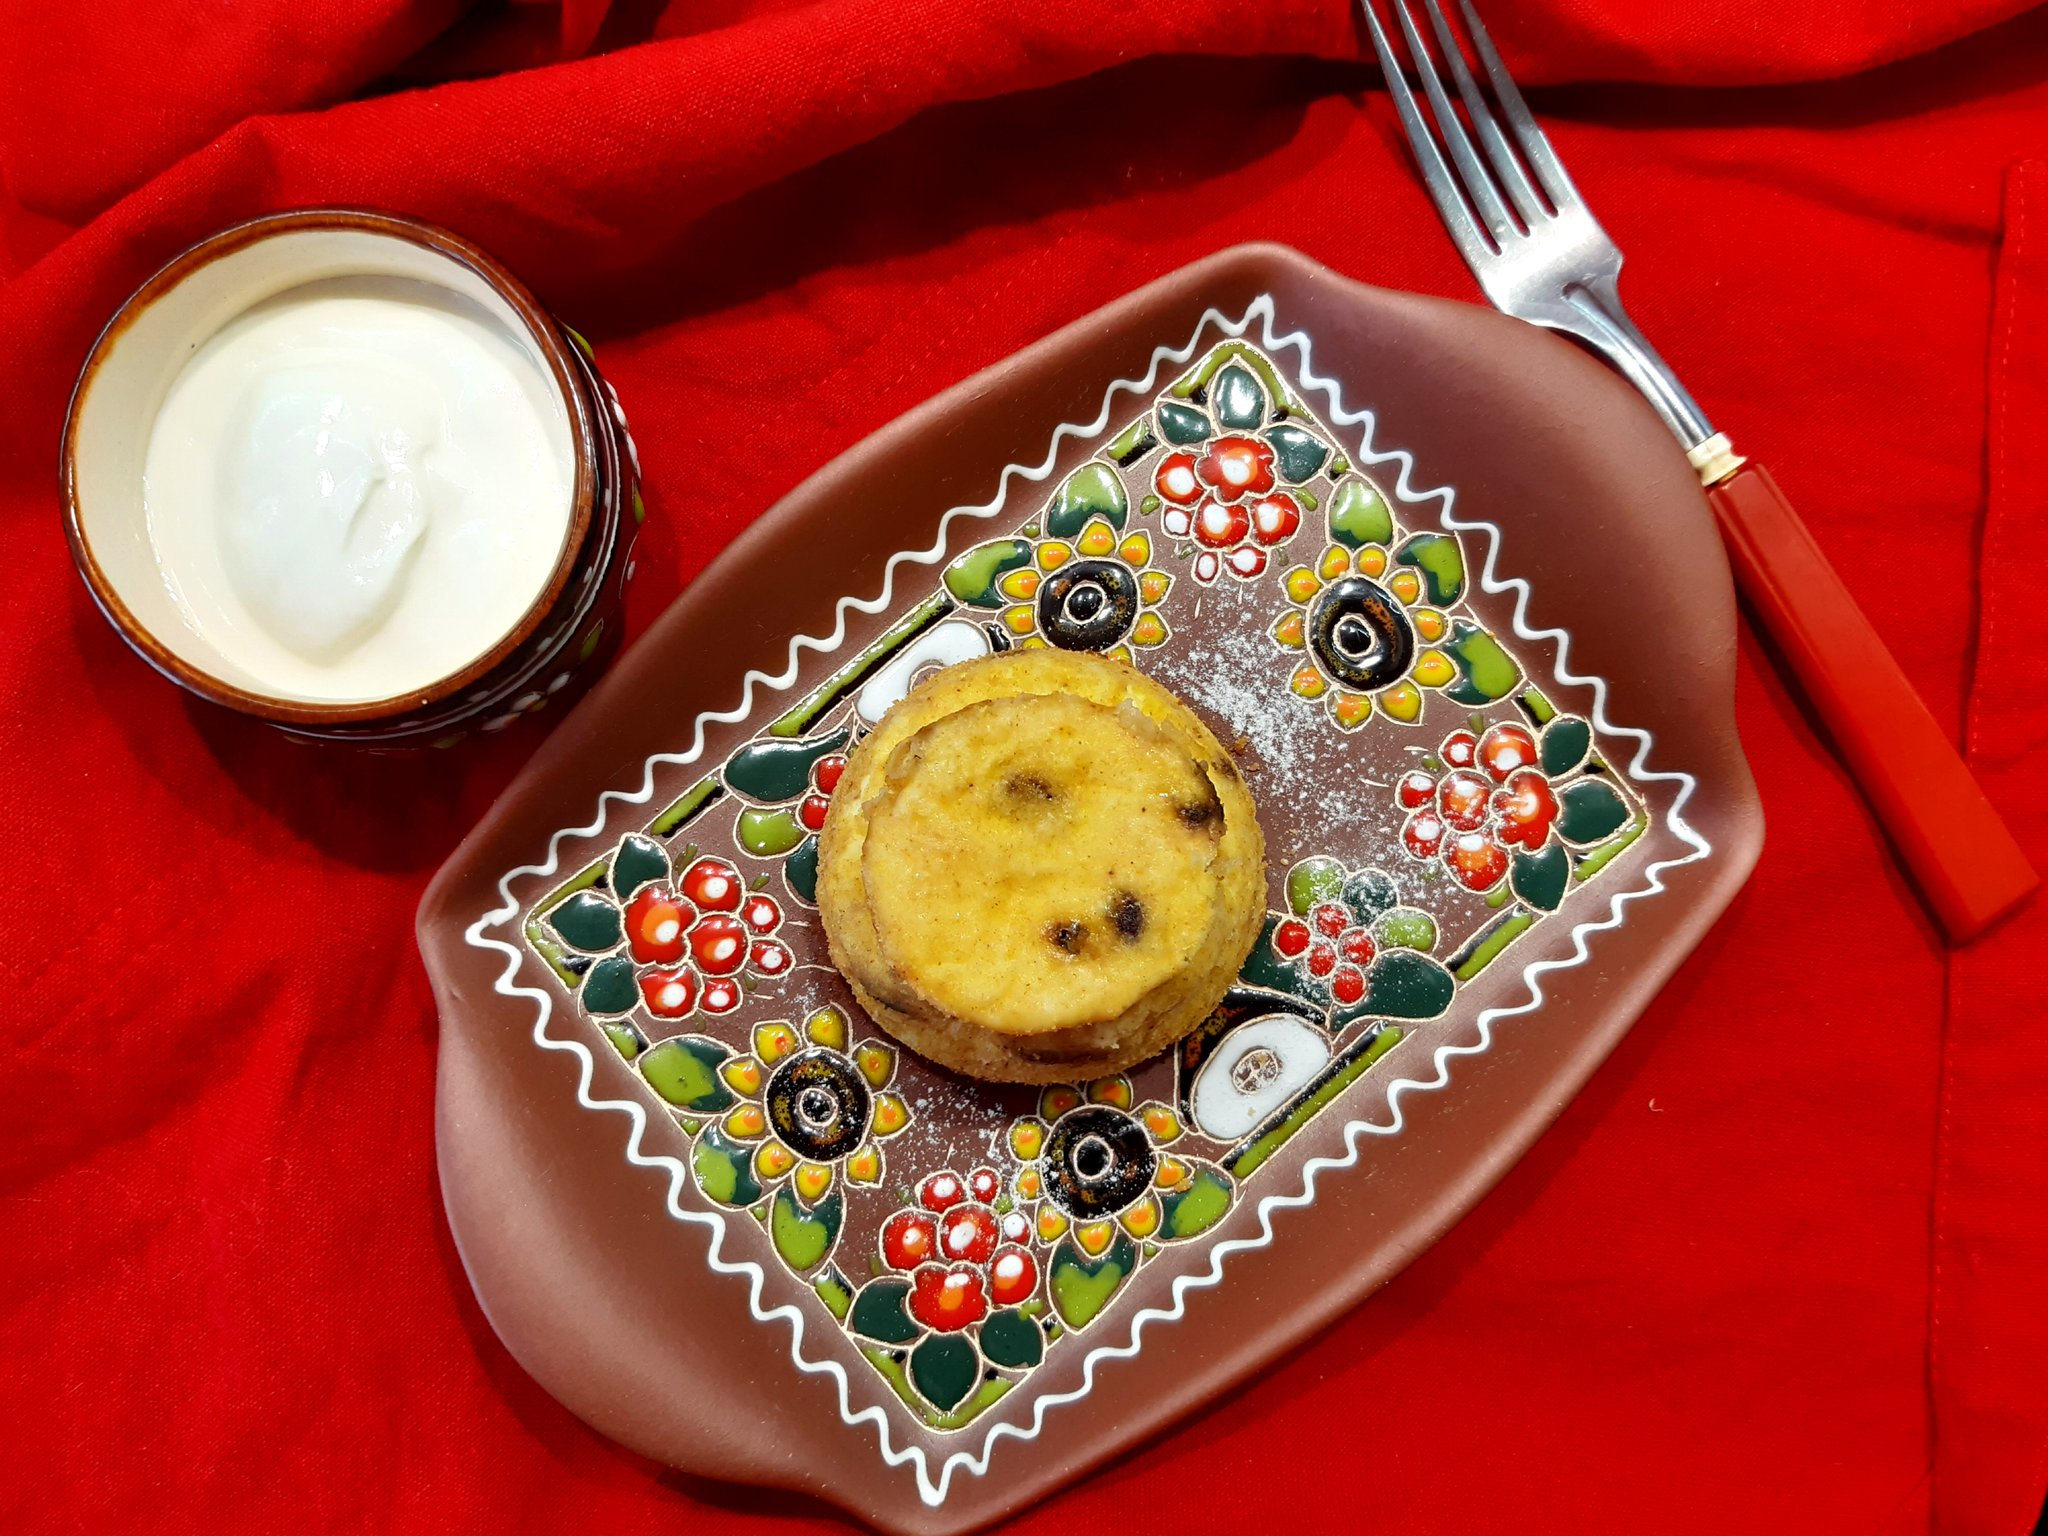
1780	1267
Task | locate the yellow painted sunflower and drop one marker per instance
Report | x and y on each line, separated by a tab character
1369	640
811	1107
1096	592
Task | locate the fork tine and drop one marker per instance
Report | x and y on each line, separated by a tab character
1507	170
1436	175
1478	185
1550	172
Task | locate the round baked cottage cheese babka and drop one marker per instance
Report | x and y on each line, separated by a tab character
1040	866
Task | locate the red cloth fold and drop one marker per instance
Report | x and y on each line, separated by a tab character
1777	1268
1986	1317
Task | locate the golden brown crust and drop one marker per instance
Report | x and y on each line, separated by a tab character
1040	866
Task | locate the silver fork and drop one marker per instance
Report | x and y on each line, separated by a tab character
1541	256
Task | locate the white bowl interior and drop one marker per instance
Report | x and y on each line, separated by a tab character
119	403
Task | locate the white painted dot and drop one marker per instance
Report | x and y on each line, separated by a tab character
673	995
666	930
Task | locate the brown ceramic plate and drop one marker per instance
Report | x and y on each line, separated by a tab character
1453	595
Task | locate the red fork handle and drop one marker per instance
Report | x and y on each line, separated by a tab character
1950	838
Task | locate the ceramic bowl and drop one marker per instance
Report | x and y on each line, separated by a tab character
572	625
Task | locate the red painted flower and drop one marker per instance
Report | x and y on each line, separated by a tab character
1176	480
1524	809
1233	537
669	994
1013	1276
1275	519
968	1233
704	945
1236	467
909	1238
1490	798
963	1258
1225	502
714	885
657	925
817	801
1220	525
946	1300
1331	947
718	943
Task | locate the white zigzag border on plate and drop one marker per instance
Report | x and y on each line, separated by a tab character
932	1490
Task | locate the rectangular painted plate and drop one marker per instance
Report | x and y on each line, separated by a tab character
1449	593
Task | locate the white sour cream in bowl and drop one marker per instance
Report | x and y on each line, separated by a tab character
331	468
357	487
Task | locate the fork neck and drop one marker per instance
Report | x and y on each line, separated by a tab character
1605	325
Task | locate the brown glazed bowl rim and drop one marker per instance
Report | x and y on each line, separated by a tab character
554	351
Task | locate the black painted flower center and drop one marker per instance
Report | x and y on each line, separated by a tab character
1361	635
1097	1161
818	1105
1088	605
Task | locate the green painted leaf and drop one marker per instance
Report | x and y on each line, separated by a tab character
800	869
972	577
944	1369
1080	1286
1590	810
1405	928
1404	984
1133	443
804	1235
1486	672
1359	514
1182	424
881	1311
1093	490
625	1038
1313	881
609	987
684	1071
779	770
1539	877
1441	561
1197	1205
1237	398
1011	1339
768	833
1299	454
640	861
831	1289
1369	893
724	1170
1566	741
588	922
